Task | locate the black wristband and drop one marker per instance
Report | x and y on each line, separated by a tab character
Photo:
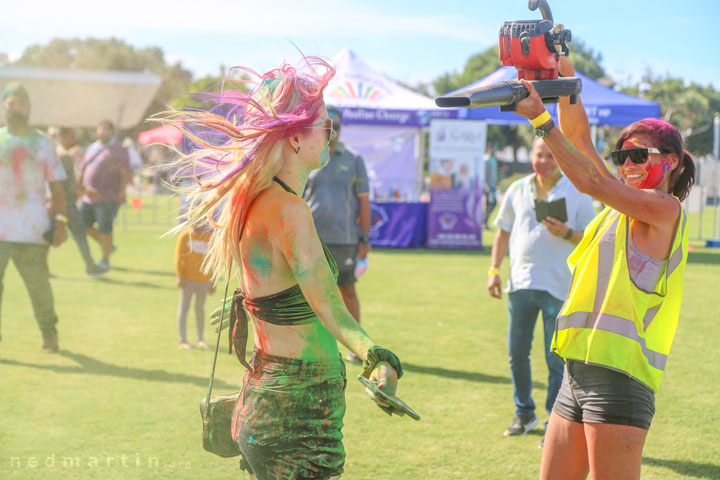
379	354
364	239
569	234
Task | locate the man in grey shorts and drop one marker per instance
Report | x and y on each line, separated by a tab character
338	196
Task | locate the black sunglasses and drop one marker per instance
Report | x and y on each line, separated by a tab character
637	155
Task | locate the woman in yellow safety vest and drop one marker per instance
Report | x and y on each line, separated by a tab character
617	325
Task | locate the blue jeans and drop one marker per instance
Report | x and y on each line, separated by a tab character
523	307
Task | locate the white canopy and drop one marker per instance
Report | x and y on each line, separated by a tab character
383	122
82	98
356	84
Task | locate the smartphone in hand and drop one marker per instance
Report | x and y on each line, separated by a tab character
396	406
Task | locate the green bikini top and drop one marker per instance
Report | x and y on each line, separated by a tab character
288	307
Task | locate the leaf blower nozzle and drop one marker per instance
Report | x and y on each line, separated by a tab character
534	48
506	94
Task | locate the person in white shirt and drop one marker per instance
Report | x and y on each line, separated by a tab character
539	275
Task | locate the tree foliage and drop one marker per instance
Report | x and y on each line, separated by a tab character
478	66
208	83
690	108
586	60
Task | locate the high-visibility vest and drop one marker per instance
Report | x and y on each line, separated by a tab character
606	319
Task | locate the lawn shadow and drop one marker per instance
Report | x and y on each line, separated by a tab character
704	257
461	374
163	273
134	284
113	282
90	366
685	468
484	252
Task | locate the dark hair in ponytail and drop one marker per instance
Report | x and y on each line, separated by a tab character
667	137
683	177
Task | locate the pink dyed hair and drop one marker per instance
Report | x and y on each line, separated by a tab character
235	145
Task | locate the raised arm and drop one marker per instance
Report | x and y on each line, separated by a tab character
647	206
574	123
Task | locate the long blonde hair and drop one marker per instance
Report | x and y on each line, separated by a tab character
238	149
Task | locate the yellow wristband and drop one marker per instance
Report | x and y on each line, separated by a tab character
61	218
493	271
541	119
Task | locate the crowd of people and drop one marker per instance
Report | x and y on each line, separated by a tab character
286	217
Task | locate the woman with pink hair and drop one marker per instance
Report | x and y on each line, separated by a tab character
250	165
619	319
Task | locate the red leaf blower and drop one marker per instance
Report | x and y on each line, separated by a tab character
534	48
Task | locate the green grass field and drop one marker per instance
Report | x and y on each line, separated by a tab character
120	401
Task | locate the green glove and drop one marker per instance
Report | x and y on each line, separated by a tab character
221	312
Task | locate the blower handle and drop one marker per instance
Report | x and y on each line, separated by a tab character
544	8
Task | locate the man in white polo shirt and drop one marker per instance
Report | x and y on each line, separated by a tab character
539	275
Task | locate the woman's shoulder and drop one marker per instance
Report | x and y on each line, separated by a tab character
669	220
275	197
277	204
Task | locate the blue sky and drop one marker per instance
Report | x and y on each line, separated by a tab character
414	41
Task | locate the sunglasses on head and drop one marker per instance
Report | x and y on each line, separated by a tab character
637	155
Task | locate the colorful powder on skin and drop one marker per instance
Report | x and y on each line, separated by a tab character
325	155
18	156
259	261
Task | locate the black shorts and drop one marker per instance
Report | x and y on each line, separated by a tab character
101	213
345	257
595	394
289	417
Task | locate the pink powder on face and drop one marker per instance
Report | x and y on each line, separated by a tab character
655	174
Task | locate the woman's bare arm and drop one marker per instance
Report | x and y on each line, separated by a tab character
298	240
657	209
574	123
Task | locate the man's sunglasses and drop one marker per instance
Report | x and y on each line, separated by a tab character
637	155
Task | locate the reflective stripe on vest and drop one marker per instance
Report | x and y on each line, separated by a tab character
603	298
611	323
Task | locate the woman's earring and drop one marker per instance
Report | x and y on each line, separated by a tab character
297	149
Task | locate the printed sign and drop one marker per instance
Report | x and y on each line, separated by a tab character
456	183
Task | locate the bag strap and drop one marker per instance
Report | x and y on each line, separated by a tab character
217	347
89	161
222	314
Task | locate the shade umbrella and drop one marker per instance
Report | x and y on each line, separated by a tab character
165	134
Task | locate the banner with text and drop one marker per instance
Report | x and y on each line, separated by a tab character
455	214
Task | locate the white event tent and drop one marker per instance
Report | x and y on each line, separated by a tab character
82	98
383	121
